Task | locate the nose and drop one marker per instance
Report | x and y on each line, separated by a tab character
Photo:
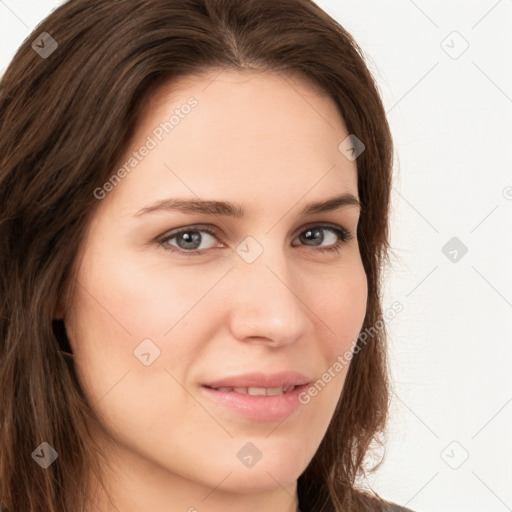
266	303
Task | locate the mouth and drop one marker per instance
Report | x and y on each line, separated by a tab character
253	391
264	404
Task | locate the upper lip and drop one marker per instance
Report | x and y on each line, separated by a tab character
261	380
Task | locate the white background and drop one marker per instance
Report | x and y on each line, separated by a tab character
450	347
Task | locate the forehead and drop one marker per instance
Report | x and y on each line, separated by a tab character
248	134
250	96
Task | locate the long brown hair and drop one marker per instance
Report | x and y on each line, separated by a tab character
66	118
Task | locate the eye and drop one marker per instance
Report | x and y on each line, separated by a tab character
189	239
338	236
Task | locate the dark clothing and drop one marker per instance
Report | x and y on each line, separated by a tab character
376	503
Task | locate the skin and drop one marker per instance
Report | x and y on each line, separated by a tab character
269	144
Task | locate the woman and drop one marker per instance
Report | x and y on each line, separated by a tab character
194	219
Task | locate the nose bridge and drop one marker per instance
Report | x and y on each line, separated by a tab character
266	305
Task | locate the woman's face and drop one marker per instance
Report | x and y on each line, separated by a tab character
151	325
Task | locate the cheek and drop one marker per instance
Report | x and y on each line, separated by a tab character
339	303
126	308
126	299
342	307
354	297
118	323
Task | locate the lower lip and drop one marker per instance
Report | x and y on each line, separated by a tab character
257	407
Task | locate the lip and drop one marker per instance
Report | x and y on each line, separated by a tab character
261	380
258	407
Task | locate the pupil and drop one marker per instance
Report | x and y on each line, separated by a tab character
317	235
191	239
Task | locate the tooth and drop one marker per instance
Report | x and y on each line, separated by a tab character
274	391
257	391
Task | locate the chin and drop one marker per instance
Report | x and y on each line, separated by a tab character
263	479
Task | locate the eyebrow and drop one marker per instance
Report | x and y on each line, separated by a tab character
222	208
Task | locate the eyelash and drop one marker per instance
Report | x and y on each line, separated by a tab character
343	234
